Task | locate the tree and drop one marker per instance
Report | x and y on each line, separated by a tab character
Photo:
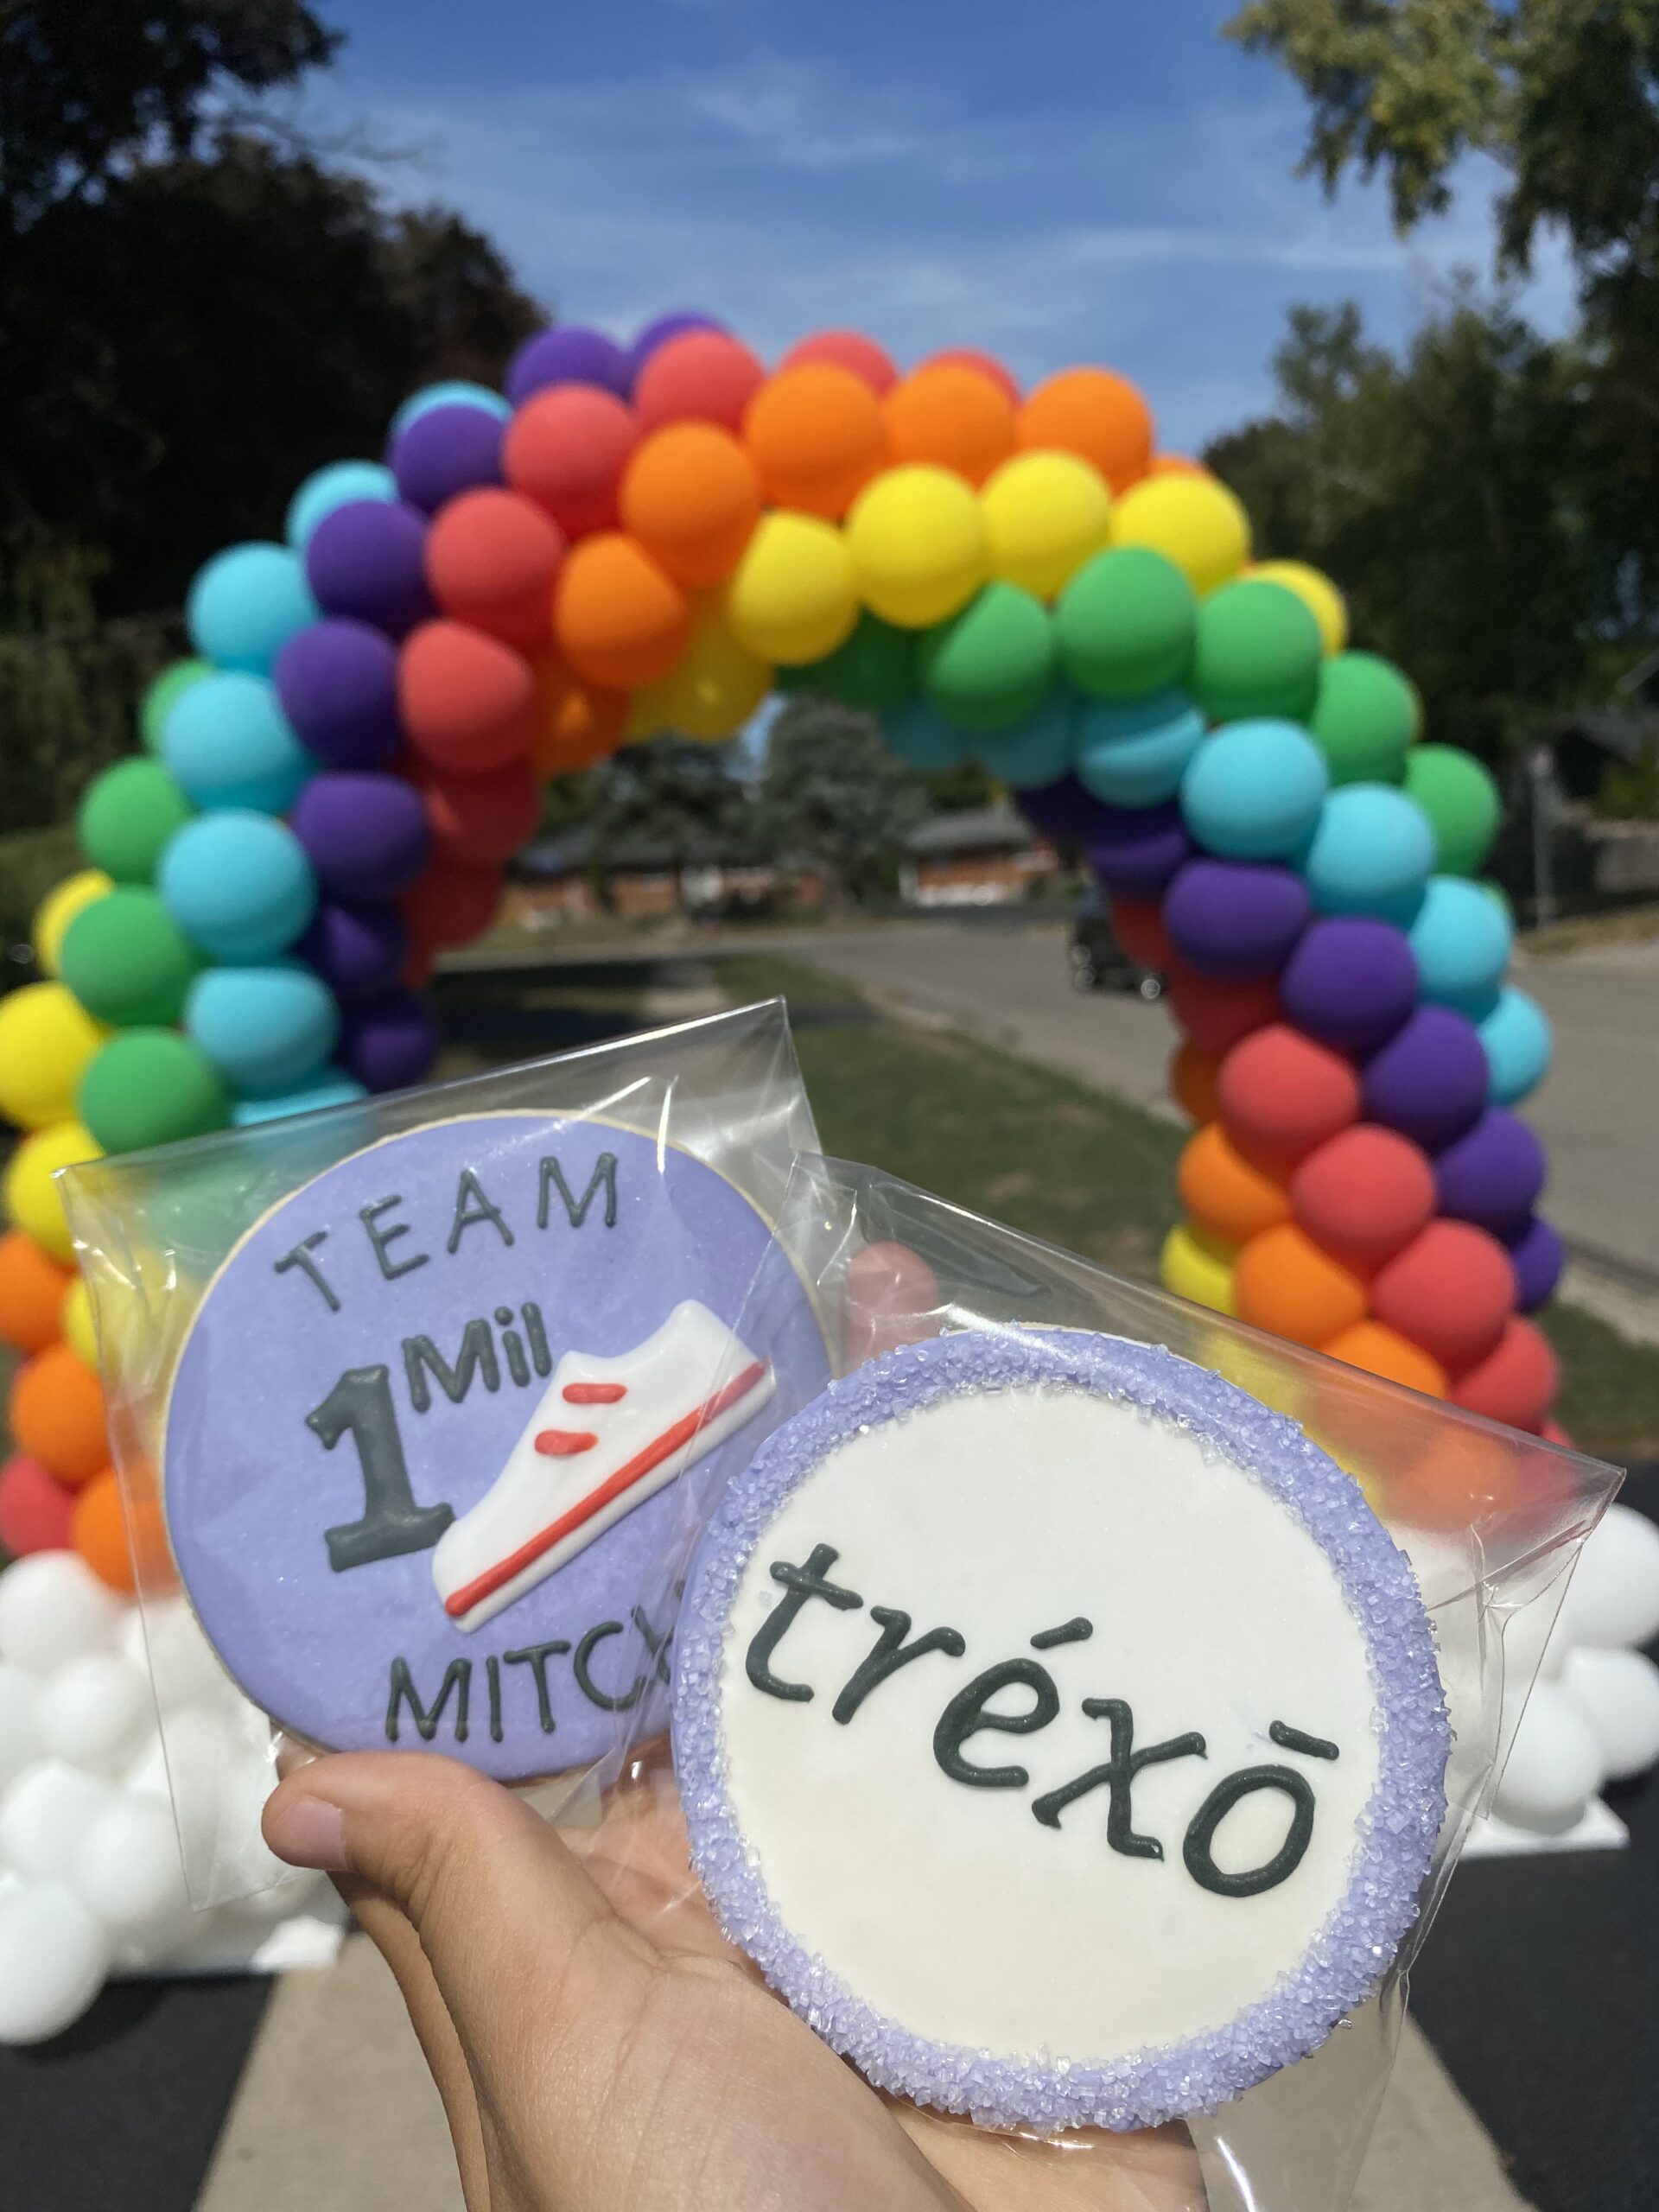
679	798
833	791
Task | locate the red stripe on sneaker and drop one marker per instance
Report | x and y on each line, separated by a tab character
593	1393
564	1443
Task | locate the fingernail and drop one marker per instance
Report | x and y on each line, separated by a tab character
308	1831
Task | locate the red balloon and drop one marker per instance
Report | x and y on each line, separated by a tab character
1282	1095
566	448
35	1510
468	701
1138	925
1364	1195
968	357
452	904
847	349
1516	1380
705	376
491	559
1451	1291
1217	1015
481	820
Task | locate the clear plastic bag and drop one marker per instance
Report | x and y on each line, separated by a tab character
328	1331
1490	1520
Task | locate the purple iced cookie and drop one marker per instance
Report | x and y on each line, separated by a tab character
421	1448
1057	1730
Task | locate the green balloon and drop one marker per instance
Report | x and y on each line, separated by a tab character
1462	801
874	668
1258	653
127	960
127	815
151	1086
1126	625
989	666
1366	715
163	695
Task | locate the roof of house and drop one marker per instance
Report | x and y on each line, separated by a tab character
1624	735
999	829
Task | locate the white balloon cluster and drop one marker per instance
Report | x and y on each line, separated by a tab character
91	1881
1593	1714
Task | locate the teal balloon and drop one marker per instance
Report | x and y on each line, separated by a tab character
330	1088
1370	853
456	392
267	1029
163	695
1037	751
337	485
1254	791
239	886
1461	939
1135	754
246	604
1518	1043
922	739
228	743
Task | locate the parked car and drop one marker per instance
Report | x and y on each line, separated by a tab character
1098	961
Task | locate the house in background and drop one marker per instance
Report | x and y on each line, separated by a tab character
982	856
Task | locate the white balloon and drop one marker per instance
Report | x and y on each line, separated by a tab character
1554	1767
128	1870
95	1711
54	1957
1613	1597
1617	1692
185	1668
53	1608
130	1638
45	1813
20	1727
147	1776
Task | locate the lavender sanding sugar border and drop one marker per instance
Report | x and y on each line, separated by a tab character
1398	1830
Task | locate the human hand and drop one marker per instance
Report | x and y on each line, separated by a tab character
599	2047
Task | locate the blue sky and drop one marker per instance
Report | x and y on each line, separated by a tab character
1064	181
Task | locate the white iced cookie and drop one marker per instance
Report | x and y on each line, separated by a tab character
1058	1729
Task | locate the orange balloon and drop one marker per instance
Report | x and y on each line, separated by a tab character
692	498
618	616
847	349
491	559
815	434
1381	1350
32	1285
580	724
1192	1083
953	416
1283	1282
969	357
1226	1194
106	1538
566	448
56	1413
468	701
1094	413
1174	464
1458	1480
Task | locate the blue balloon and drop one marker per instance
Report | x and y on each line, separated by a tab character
1253	791
1135	753
331	1088
265	1029
1461	939
228	743
922	739
325	489
1036	752
246	604
1370	853
456	392
1518	1043
239	885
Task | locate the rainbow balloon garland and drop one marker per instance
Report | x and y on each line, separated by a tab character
654	537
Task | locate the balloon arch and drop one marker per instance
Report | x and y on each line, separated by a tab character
655	537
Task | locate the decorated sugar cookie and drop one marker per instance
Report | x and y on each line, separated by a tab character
422	1446
1058	1729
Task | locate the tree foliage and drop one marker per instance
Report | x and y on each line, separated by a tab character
833	791
677	796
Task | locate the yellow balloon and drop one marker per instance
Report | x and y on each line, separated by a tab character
792	599
1193	520
32	1202
77	1316
716	686
59	908
46	1041
1046	513
918	545
1316	593
1198	1267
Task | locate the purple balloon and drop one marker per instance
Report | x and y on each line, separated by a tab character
367	835
1492	1174
1350	983
567	355
1063	813
1233	921
447	450
1429	1080
658	334
367	560
1135	850
1537	1256
391	1041
338	684
359	951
